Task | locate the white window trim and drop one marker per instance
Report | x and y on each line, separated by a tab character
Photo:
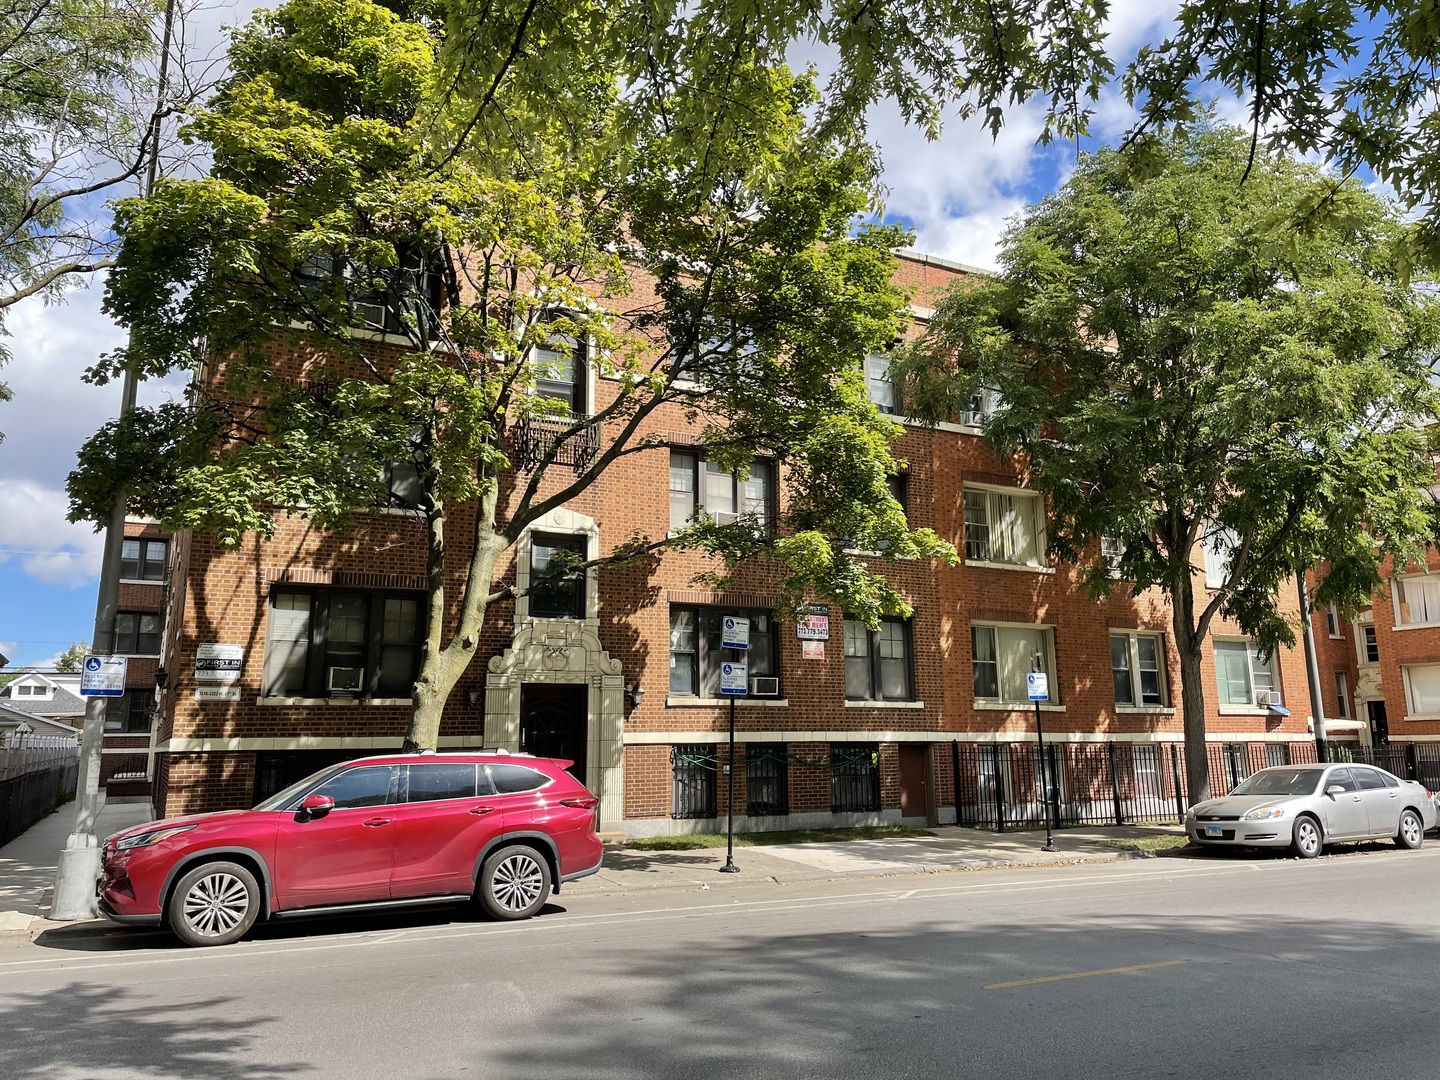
1332	612
1410	712
1051	667
1398	625
1252	709
558	522
1133	649
1040	525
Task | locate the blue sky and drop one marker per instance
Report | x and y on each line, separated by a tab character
957	195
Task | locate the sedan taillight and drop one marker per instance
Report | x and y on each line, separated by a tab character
581	802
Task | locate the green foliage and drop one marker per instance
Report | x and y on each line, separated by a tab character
329	198
67	81
1178	367
71	657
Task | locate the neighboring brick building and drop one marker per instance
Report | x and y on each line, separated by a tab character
319	632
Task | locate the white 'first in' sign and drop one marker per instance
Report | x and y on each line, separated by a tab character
1038	684
735	632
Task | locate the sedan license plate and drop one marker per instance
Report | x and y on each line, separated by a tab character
1213	830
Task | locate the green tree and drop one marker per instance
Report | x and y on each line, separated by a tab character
1177	369
69	660
329	202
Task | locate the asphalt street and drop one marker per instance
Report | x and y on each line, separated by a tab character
1215	967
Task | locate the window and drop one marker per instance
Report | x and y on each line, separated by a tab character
1417	600
1342	778
1237	764
982	406
1001	656
386	300
131	713
1276	754
692	781
513	779
555	591
1218	543
1342	695
883	391
561	371
1366	779
367	786
142	560
899	485
402	484
1112	551
766	780
696	653
1004	527
1422	689
327	642
1332	620
1136	669
137	634
1242	674
854	778
1147	772
698	486
878	663
432	782
1370	647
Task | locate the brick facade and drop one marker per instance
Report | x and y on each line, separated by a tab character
210	747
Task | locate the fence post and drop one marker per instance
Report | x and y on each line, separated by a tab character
1179	798
1115	782
1052	794
1412	761
955	771
1000	787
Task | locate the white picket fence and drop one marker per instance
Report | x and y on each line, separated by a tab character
31	753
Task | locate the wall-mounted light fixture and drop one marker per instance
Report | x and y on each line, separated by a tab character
161	678
637	695
474	694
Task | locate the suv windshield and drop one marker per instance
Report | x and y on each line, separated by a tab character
1279	782
295	790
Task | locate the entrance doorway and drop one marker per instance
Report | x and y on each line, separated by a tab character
1379	726
914	793
554	722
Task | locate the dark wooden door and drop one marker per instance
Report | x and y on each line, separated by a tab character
1379	725
553	723
913	781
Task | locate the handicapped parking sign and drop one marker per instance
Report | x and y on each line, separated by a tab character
733	679
102	676
1037	683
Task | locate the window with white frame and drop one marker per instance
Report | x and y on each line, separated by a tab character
1004	527
879	664
1417	600
1001	656
880	381
143	560
1332	619
1218	544
699	486
1136	668
1342	695
561	372
1422	689
1243	674
327	642
697	651
1112	550
557	582
981	407
1369	645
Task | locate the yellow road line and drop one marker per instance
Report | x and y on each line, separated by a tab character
1081	975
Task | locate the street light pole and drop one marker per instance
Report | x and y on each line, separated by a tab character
1312	669
78	867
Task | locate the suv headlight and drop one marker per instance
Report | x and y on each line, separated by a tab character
153	837
1263	813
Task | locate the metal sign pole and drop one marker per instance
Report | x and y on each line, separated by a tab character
1039	689
734	681
730	867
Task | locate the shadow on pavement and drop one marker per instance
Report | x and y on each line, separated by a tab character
109	937
89	1030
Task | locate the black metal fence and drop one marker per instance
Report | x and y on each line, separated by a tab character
692	771
37	774
1409	761
854	778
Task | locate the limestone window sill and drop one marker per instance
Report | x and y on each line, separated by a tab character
1022	567
1154	710
291	702
1015	706
739	699
884	704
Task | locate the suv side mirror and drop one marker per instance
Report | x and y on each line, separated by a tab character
1335	789
317	805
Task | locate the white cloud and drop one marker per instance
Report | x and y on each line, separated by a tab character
33	530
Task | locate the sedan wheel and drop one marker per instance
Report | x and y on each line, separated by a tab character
514	883
1412	830
214	904
1307	841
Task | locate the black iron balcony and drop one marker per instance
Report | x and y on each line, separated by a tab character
536	439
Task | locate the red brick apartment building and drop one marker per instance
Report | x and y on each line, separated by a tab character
299	650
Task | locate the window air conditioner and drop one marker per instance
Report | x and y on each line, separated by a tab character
345	678
765	686
1267	697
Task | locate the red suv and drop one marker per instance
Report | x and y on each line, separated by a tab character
502	828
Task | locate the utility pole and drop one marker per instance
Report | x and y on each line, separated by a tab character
79	865
1312	669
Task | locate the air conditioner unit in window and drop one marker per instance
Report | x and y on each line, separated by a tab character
765	686
1268	697
345	678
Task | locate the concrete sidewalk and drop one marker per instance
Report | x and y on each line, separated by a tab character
949	849
27	863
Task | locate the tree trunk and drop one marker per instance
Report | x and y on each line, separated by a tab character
1188	644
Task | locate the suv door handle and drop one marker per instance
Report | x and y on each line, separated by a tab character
480	811
375	822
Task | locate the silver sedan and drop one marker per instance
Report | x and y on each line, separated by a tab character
1305	807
